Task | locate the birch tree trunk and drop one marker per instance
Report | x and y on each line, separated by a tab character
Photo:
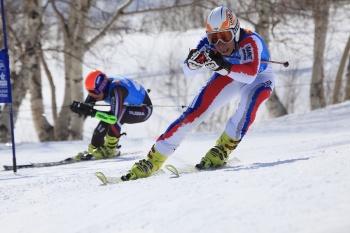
42	127
321	18
25	76
347	86
339	77
68	126
273	104
75	46
33	18
52	89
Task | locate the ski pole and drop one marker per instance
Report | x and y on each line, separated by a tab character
145	105
125	105
284	63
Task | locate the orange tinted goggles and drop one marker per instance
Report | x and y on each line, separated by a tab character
224	36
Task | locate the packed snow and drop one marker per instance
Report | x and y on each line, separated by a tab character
294	177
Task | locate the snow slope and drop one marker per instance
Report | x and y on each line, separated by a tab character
294	178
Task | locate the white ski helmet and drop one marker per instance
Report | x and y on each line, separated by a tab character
223	18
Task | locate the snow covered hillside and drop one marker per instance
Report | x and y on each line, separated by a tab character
294	178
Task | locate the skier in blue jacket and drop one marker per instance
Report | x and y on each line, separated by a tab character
129	102
234	54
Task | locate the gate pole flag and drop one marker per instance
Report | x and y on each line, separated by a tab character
5	83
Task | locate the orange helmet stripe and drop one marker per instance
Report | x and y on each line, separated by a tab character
226	24
208	28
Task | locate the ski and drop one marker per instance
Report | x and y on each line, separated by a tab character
116	180
66	161
107	180
48	164
175	172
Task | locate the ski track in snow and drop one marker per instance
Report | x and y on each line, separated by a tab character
294	178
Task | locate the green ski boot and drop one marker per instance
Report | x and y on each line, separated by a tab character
146	167
86	155
218	154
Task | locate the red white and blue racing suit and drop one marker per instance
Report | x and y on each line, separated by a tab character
248	78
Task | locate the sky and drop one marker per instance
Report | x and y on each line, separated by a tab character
294	177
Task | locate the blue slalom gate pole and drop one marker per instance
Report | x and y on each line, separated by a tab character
5	84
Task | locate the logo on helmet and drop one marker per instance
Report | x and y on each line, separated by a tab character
98	80
231	18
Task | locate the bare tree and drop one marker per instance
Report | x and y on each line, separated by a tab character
75	47
18	81
34	21
321	17
347	86
25	46
339	77
274	105
78	37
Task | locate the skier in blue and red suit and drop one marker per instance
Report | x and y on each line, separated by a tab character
128	101
234	54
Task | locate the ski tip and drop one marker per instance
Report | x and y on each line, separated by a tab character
7	168
235	159
173	170
101	177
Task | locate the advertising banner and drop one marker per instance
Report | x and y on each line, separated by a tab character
5	85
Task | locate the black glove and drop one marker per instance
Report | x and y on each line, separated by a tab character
195	59
216	62
82	109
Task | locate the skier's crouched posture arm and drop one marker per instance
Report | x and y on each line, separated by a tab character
129	103
234	54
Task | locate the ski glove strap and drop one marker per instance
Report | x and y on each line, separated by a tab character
216	62
82	109
195	59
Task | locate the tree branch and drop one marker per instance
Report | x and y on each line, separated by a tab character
120	12
99	35
60	18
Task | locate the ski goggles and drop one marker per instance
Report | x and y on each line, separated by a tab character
223	36
94	93
97	91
